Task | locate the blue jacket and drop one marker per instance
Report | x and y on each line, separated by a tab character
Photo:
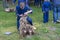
46	6
22	11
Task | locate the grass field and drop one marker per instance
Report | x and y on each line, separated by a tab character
48	31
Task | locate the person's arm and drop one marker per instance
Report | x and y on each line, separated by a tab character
26	13
29	10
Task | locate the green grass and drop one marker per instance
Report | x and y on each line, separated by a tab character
48	31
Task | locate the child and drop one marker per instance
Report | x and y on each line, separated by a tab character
45	8
21	10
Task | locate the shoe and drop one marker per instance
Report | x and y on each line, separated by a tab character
58	21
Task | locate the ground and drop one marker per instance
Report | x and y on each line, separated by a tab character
45	31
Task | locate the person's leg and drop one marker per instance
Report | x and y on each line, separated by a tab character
5	5
58	14
36	2
55	14
18	24
19	2
29	20
39	3
14	1
45	17
27	2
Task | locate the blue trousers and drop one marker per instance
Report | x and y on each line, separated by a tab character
56	14
58	11
37	2
45	17
14	1
27	2
18	23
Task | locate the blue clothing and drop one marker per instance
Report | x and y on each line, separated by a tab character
56	10
56	2
45	8
45	17
22	11
37	2
56	14
14	1
27	2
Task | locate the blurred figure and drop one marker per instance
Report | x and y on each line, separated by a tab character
5	4
14	1
27	2
56	10
45	8
23	10
37	3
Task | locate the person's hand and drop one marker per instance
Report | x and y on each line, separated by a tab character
25	14
21	15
